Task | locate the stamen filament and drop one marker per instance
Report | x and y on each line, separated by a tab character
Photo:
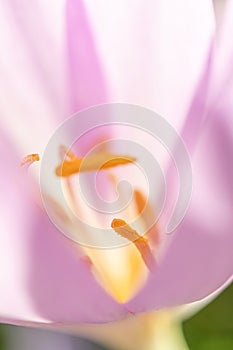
124	230
147	213
66	153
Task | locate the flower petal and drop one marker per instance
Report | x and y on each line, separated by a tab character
153	51
199	257
42	277
61	285
32	86
87	83
49	70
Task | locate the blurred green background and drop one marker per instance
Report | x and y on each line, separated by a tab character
212	327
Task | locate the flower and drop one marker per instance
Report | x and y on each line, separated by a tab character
43	277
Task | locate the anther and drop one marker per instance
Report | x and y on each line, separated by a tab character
97	161
124	230
29	159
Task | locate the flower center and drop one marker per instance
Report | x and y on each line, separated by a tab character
121	271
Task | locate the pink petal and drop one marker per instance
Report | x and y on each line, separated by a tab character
199	257
42	278
32	71
154	51
219	10
87	82
62	286
50	68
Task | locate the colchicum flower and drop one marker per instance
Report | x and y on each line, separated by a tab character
158	55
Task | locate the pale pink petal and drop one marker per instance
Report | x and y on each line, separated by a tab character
154	51
49	68
61	286
42	277
33	75
199	258
219	10
15	217
222	78
87	82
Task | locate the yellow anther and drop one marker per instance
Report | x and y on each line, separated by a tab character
29	159
124	230
97	161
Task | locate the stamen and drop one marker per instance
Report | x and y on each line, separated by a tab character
66	153
29	159
147	213
98	161
140	201
124	230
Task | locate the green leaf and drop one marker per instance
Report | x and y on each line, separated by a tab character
212	327
2	336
